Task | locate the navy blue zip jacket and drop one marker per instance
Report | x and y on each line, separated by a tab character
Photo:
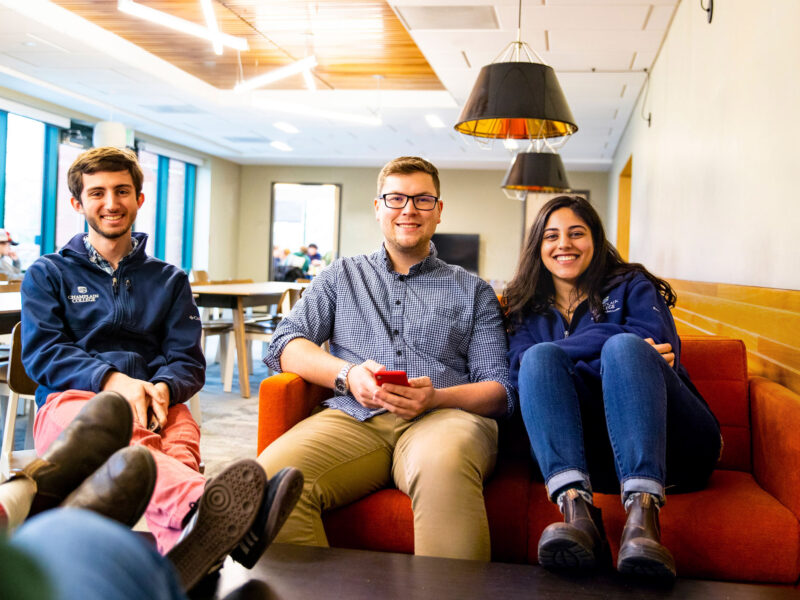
79	323
632	305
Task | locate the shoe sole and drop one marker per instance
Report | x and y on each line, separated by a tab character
286	496
563	552
226	512
647	563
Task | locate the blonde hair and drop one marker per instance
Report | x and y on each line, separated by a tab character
406	165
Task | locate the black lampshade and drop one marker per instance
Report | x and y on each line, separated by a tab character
519	100
537	172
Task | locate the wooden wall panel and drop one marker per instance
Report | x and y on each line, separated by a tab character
767	320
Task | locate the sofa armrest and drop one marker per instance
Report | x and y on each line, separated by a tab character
284	400
775	423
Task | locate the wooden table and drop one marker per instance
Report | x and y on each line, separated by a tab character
10	310
290	572
238	296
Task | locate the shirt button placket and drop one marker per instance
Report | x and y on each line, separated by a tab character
398	309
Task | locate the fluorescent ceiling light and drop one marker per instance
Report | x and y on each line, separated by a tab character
434	121
310	111
211	23
167	20
282	146
304	64
286	127
310	83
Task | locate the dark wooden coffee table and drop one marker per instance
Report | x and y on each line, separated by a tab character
308	573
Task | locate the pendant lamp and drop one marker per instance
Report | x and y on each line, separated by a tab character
537	172
517	99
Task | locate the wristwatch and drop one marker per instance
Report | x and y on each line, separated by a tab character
340	386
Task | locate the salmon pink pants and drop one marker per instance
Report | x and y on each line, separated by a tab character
176	450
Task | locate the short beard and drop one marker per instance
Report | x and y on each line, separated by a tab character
109	236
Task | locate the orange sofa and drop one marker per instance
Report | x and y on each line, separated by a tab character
744	526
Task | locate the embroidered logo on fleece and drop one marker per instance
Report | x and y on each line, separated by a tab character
82	296
610	306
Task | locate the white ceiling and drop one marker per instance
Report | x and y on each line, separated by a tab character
599	49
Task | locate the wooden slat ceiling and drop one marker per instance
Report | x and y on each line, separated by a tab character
354	41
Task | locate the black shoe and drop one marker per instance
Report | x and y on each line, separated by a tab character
283	490
579	543
121	488
641	552
224	515
103	426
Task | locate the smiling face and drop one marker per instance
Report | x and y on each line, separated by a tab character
407	231
109	203
567	246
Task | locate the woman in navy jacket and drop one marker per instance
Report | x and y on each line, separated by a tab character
604	398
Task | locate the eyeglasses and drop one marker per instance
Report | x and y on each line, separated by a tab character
421	202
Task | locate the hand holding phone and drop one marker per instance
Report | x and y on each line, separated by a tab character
395	377
152	422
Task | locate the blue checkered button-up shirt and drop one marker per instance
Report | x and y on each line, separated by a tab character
438	321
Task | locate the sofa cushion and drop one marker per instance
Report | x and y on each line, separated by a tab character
731	530
384	520
718	367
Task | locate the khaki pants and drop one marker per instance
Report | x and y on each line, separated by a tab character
440	461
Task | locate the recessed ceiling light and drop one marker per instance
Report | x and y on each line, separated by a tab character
434	121
286	127
282	146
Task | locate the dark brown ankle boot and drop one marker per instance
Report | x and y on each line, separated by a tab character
103	426
577	543
640	551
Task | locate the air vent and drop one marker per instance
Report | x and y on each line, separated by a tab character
449	17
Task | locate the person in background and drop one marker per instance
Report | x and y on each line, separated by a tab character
313	253
9	261
399	308
603	395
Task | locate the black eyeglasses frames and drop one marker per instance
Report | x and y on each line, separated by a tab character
421	202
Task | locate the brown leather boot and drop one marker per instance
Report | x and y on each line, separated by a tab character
577	543
641	552
103	426
121	488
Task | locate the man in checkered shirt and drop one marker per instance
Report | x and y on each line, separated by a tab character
400	308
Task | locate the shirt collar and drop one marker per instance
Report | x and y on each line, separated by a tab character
101	262
426	264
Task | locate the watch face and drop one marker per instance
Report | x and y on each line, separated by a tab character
340	386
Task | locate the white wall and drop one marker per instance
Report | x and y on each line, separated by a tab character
223	219
713	178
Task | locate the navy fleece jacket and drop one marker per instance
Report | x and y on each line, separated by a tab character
79	323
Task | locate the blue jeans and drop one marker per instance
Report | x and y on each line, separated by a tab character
87	556
659	431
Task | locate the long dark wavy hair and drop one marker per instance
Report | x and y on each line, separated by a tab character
531	290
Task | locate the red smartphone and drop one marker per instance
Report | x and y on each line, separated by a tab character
395	377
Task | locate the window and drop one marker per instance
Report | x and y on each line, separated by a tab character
146	217
68	220
24	180
175	208
303	214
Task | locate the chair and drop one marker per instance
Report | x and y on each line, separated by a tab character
20	385
261	330
10	286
